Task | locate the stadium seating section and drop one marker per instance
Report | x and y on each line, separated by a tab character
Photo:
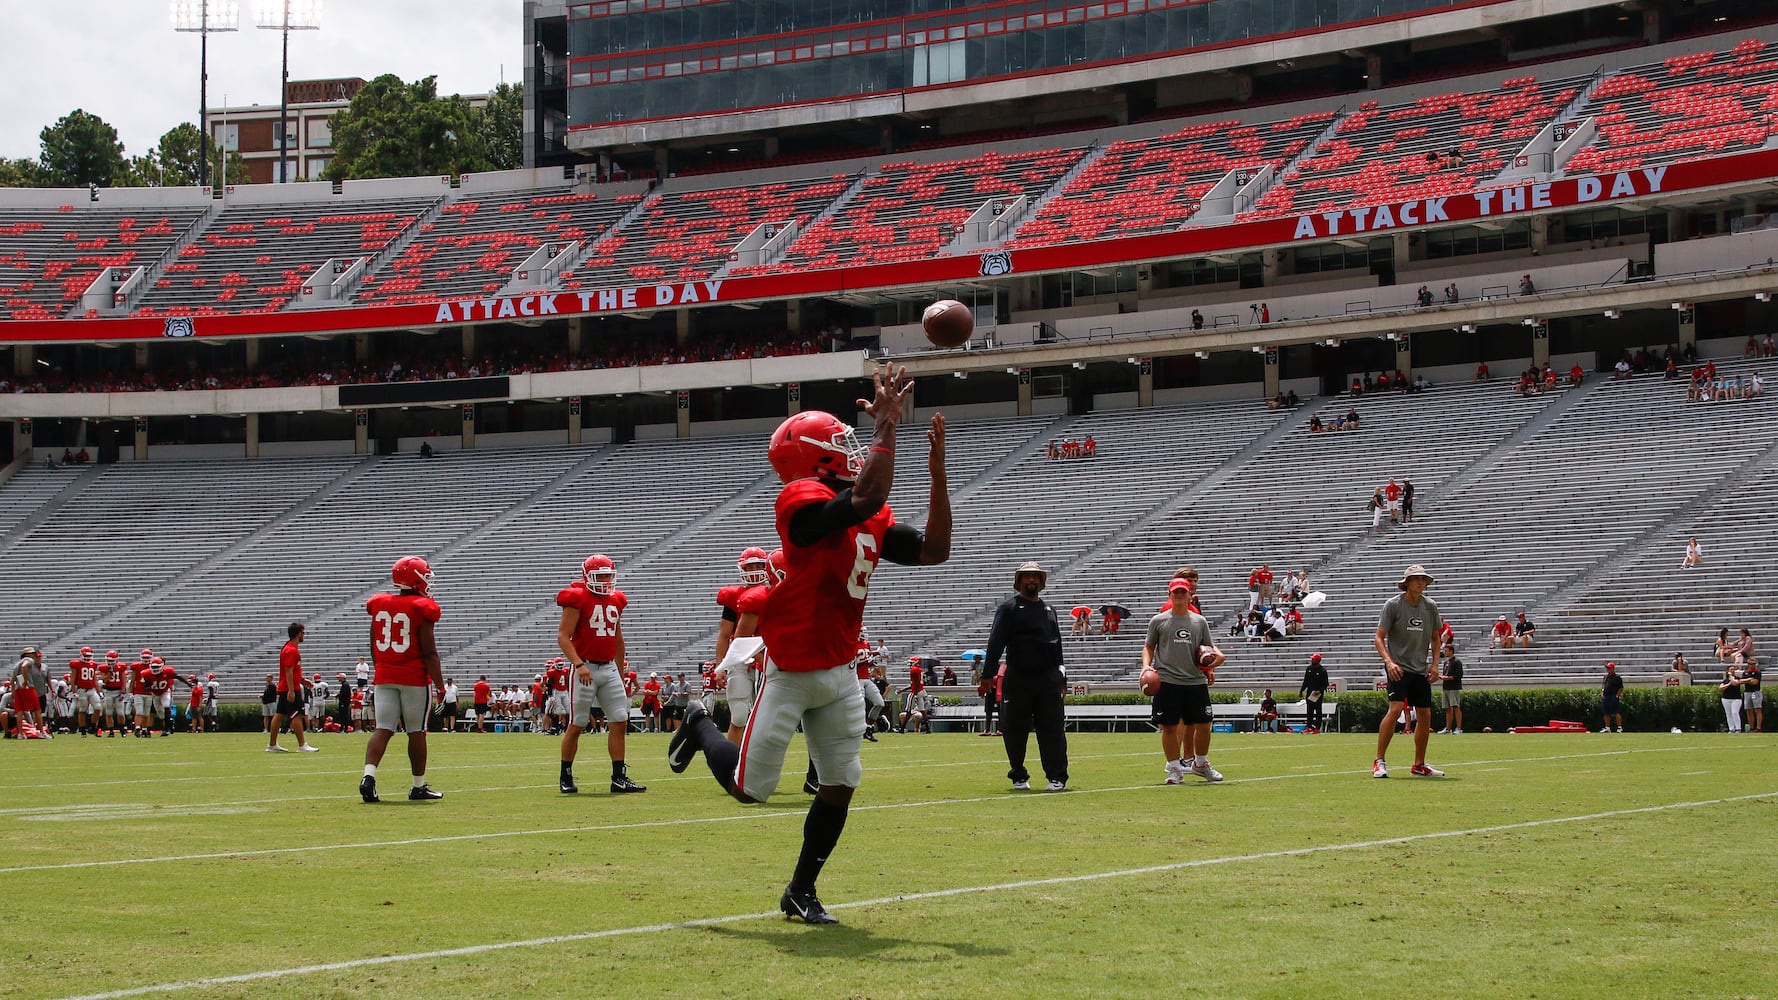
1522	504
255	258
48	256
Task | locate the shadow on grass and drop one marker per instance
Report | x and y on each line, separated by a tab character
847	941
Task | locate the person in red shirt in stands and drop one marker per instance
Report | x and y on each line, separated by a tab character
591	635
482	698
835	525
408	674
291	687
1501	637
1265	577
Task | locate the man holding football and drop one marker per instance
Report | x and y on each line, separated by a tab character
405	648
835	525
1181	656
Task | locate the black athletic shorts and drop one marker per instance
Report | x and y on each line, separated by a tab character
481	710
1187	703
290	704
1413	688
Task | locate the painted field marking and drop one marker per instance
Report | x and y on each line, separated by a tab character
479	949
743	817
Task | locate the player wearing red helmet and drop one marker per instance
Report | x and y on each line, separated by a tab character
747	606
83	673
113	676
591	636
290	690
834	523
408	672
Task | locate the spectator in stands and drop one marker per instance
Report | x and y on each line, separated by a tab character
1752	347
1357	389
1273	626
67	456
1266	719
1351	418
1753	701
1197	320
1451	295
1550	382
1055	450
1672	369
949	677
1265	316
1392	497
1621	370
1755	386
1089	447
1481	373
1407	500
1725	647
1577	374
1694	554
1377	507
1293	620
1501	635
1680	673
1742	653
1292	400
1730	689
1611	699
1767	348
1526	287
1265	583
1423	298
1452	696
1523	630
426	449
1253	588
1026	633
1315	426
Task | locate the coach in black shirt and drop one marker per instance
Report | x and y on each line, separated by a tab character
1027	634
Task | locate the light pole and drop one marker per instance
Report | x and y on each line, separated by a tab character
286	16
205	17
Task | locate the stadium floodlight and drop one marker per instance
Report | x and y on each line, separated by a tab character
286	16
203	17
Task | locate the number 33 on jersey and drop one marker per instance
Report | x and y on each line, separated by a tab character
392	621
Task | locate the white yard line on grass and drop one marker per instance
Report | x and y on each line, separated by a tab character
761	814
478	949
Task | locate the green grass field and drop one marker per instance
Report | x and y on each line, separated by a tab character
1543	866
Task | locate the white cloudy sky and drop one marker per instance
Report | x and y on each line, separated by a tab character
121	59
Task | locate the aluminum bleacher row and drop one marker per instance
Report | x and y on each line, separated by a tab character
255	257
48	256
1572	505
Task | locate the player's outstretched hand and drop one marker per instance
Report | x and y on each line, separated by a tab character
935	439
892	386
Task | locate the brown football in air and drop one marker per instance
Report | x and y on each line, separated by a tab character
948	323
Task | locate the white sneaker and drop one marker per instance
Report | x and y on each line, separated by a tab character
1456	732
1425	771
1379	769
1207	772
276	750
1021	786
309	748
1057	786
1175	777
1442	732
1619	729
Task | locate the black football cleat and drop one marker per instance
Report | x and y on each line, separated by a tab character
805	907
368	789
568	786
870	733
682	748
622	785
424	793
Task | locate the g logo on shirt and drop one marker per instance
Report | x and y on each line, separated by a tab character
1184	633
1417	624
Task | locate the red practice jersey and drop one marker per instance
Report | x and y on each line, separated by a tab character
813	615
395	653
113	673
728	596
863	660
595	634
85	673
483	691
290	668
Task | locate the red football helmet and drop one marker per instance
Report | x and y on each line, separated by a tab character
818	444
412	573
111	654
147	654
775	565
87	652
600	573
753	566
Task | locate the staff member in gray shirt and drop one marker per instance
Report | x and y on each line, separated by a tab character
1406	640
1026	632
1179	649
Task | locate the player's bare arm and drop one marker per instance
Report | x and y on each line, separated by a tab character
871	491
425	640
1382	642
565	640
935	545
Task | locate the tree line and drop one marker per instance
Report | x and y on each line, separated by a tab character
392	128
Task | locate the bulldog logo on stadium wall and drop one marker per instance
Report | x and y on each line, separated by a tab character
996	262
179	326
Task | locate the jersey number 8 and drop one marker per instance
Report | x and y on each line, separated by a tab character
858	583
